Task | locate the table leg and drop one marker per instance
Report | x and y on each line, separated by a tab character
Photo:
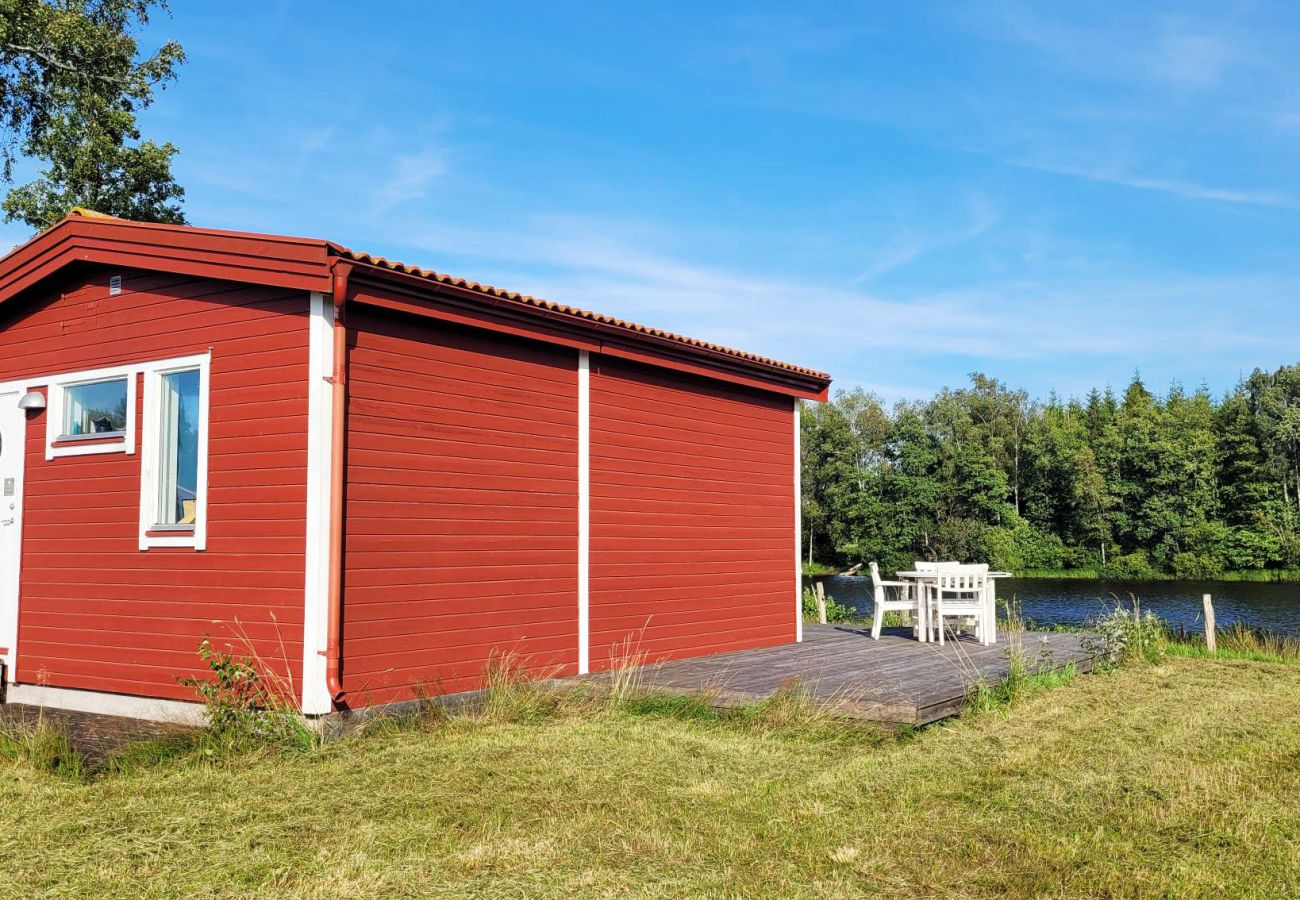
991	612
923	610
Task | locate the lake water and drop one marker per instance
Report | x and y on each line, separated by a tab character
1272	606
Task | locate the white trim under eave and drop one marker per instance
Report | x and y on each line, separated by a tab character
798	530
106	704
320	425
584	512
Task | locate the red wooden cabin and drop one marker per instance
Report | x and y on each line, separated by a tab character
369	476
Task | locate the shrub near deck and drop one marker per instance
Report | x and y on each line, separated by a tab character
1169	779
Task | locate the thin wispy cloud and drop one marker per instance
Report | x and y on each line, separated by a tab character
409	178
1187	189
1170	49
907	249
1187	57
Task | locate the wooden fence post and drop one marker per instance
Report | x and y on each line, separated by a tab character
819	590
1209	624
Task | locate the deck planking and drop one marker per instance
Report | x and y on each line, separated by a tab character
896	679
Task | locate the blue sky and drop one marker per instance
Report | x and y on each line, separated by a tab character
899	194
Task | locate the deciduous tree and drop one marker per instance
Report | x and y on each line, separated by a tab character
72	81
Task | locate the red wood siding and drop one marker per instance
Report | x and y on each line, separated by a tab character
461	514
692	515
96	612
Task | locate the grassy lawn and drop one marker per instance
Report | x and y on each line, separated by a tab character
1169	779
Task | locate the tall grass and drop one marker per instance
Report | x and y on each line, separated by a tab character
1128	634
44	746
625	670
512	694
1239	641
1025	676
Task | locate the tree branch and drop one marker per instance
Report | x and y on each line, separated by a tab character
57	63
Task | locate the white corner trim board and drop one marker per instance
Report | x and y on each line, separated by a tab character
798	531
13	425
584	512
105	704
320	426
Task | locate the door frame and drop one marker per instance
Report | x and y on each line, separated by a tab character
11	551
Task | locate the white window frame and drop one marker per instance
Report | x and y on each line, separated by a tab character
57	444
150	437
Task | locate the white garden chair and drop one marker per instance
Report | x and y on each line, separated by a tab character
905	599
963	594
990	634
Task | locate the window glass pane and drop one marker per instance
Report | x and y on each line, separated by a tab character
98	408
178	457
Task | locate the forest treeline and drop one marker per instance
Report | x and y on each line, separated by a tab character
1137	485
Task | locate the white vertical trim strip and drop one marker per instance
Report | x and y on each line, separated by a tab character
798	531
11	555
320	425
584	511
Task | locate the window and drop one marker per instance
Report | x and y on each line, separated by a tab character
174	454
178	451
97	409
91	412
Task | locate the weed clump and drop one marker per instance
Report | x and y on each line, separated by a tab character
835	611
1127	634
247	706
512	694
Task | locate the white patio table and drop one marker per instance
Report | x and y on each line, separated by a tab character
923	579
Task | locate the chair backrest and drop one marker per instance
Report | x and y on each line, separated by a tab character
947	566
977	568
875	575
959	584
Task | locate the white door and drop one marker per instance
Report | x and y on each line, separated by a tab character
13	433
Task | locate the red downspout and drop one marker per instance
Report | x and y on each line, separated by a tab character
338	381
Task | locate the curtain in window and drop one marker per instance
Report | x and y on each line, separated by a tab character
74	413
169	454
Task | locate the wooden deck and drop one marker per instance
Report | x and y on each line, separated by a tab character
896	679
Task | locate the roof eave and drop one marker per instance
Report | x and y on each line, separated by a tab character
297	263
468	305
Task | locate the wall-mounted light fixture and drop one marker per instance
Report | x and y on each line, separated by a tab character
32	400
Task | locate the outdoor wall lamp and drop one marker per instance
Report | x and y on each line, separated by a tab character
32	400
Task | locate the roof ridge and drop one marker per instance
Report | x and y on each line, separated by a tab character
85	212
